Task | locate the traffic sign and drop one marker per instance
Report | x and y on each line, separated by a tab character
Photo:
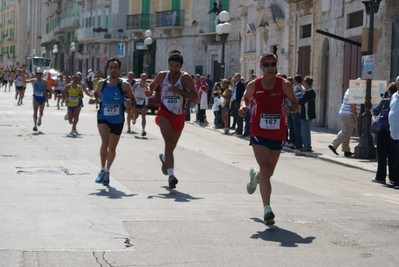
367	67
104	61
357	91
80	56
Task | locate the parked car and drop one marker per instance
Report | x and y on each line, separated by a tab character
54	73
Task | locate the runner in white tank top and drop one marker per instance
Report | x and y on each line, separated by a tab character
177	86
139	89
59	86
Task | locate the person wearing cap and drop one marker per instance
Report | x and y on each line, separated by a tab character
59	86
40	87
267	96
90	78
110	116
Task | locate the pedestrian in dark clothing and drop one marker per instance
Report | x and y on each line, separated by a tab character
238	92
308	113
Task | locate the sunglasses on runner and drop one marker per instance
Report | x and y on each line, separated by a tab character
269	64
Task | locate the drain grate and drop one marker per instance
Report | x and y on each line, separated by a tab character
42	171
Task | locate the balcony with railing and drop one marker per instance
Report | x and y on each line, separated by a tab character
69	23
105	3
169	20
47	38
139	23
111	35
85	34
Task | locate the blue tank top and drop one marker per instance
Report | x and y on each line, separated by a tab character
39	89
111	105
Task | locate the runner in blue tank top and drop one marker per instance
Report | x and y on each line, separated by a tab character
110	117
39	96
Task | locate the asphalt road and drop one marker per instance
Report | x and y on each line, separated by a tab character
53	214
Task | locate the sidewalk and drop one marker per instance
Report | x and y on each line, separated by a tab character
321	138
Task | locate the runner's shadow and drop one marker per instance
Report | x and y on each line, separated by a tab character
111	192
141	137
284	237
37	133
176	195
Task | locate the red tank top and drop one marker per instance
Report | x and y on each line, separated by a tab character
266	118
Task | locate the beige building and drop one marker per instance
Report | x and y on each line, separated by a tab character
8	30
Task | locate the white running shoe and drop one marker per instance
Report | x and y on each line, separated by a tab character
39	122
253	182
268	216
134	121
66	117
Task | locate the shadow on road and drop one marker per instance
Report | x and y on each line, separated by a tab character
284	237
111	192
176	195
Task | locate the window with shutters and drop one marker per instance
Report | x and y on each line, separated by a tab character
306	31
304	60
355	19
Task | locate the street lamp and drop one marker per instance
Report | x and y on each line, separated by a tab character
148	43
365	149
73	49
43	51
55	51
223	29
33	52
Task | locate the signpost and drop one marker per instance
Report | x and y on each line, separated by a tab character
357	91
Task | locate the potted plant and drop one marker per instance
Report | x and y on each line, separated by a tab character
39	36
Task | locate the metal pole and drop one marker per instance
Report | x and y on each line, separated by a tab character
224	38
73	63
148	61
365	149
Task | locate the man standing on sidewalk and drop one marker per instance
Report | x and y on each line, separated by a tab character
308	113
238	92
348	122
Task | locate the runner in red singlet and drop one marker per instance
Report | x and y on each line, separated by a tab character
177	87
266	97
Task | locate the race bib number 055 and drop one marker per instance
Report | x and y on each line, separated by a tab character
270	121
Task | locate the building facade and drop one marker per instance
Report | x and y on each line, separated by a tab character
302	33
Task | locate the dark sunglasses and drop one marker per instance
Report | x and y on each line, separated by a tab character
269	64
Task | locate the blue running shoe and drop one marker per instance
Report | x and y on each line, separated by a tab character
106	179
100	177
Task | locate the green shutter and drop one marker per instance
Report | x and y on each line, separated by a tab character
106	21
225	5
145	14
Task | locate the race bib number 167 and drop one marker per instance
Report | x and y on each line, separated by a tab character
270	121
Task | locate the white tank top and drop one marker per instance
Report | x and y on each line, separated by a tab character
19	81
139	93
173	102
61	85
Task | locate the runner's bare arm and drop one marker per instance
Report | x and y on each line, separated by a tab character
289	93
158	79
191	91
128	90
246	98
97	93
